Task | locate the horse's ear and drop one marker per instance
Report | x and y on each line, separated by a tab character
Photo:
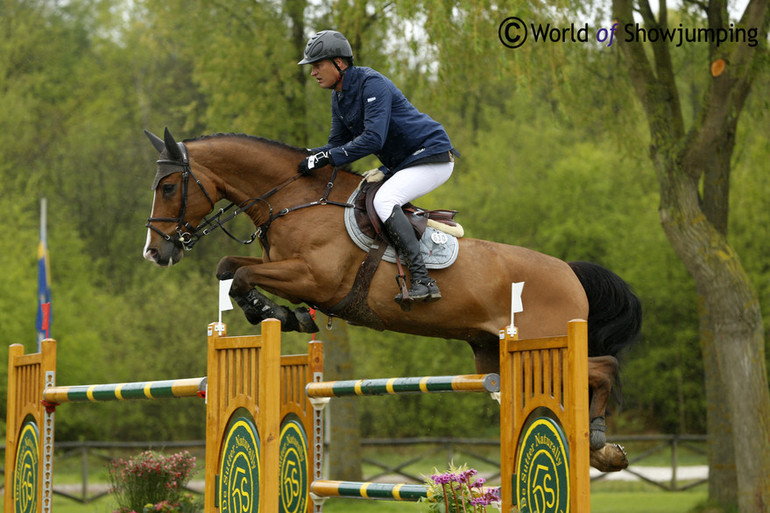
173	148
156	141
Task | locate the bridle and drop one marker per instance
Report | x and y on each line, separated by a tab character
189	235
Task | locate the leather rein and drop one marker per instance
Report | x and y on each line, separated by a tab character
189	235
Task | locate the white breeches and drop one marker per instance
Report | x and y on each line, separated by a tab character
409	184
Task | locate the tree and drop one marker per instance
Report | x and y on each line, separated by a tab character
693	169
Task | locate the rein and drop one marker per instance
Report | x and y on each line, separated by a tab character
189	235
324	200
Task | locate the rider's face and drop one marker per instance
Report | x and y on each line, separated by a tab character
326	74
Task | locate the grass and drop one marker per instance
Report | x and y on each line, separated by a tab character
605	498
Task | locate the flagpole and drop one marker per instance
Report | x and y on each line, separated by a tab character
43	316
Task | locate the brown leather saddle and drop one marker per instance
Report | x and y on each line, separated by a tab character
354	306
369	223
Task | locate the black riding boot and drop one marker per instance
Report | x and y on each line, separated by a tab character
403	238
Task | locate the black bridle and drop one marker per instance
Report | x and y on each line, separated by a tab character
189	235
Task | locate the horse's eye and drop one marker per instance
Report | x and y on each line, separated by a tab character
168	189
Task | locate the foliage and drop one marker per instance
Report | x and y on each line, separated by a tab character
547	162
459	491
152	482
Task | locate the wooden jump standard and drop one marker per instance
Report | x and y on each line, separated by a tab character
544	436
257	419
543	388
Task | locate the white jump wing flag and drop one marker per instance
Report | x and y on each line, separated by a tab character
224	297
516	304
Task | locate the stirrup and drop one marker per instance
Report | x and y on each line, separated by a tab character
421	290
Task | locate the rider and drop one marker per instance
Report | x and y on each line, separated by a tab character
370	115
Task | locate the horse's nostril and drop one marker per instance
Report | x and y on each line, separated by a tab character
151	254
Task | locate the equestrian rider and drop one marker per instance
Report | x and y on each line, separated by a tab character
370	115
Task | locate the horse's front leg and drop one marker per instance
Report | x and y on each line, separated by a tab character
257	307
248	273
230	264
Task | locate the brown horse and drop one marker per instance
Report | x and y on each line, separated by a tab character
309	258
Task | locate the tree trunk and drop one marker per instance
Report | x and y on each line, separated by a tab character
723	481
733	343
732	333
344	454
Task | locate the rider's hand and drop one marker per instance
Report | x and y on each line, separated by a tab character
320	159
373	176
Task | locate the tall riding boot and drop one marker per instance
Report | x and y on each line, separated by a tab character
403	238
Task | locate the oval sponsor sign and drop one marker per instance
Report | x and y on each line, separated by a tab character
25	477
542	469
293	467
239	469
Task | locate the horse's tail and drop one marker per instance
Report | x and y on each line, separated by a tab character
614	311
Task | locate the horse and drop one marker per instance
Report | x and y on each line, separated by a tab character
309	258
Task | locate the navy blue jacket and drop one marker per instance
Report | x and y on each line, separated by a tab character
370	115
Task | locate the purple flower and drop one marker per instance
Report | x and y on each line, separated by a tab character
479	482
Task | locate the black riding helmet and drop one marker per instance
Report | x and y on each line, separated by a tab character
328	44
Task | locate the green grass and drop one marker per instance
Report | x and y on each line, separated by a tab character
605	498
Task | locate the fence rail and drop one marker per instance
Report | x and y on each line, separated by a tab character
420	449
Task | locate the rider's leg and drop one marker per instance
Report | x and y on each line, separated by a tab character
402	236
403	187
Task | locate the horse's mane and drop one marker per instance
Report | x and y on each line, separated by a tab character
264	140
254	138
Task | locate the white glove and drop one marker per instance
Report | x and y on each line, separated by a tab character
373	176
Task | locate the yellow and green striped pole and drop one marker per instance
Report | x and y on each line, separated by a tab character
395	492
426	384
189	387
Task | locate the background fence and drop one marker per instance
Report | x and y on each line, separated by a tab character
82	476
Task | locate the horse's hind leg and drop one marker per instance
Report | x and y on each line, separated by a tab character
602	371
486	354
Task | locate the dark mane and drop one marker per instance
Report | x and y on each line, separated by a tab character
263	140
254	138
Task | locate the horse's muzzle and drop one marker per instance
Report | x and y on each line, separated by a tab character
164	253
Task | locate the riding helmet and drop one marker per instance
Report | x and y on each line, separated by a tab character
326	44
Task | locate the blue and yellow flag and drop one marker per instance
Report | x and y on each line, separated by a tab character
43	324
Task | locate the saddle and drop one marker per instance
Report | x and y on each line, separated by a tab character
369	222
354	306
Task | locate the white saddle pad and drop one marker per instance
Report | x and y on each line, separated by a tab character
439	249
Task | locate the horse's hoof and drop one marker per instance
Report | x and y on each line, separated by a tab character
286	316
610	458
305	320
598	435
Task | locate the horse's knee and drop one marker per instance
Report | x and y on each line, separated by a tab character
225	269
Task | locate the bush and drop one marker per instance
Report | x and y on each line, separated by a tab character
152	482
